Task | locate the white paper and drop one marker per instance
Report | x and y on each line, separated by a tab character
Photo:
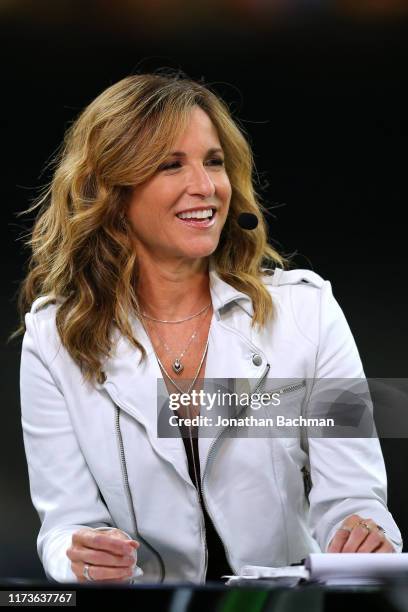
254	572
259	571
331	569
355	568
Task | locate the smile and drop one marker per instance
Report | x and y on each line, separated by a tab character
201	219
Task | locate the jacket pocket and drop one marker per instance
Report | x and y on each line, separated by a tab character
285	407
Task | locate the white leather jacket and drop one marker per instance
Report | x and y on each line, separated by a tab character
95	460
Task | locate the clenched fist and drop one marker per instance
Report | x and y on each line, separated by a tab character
360	535
109	555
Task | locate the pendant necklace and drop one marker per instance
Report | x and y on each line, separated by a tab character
177	365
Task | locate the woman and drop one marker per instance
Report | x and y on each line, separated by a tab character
141	272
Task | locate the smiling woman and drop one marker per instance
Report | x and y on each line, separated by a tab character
180	212
146	149
140	274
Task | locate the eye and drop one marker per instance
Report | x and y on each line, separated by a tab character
216	161
169	166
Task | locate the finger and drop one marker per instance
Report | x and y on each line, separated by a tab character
106	542
352	520
374	540
357	536
99	557
337	543
375	537
386	547
343	533
118	533
99	573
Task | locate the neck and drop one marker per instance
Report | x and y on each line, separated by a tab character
168	290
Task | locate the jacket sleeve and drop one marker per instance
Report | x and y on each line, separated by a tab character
348	474
63	490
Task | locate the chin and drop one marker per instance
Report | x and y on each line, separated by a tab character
198	255
200	251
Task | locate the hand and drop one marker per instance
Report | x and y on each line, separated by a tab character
110	555
359	535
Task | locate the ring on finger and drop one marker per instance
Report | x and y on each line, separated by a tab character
85	572
365	525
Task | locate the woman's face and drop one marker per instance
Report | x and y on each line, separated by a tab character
193	178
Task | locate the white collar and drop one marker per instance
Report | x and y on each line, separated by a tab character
223	293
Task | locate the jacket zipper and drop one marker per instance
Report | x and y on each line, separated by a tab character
306	475
288	388
197	489
203	533
129	494
262	379
259	385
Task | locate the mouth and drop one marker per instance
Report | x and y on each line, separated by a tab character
199	218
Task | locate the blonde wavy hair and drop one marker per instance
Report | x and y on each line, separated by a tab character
81	252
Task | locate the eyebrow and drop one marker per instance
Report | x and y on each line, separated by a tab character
209	152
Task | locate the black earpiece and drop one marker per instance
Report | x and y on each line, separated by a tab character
247	221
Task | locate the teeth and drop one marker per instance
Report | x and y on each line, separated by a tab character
196	214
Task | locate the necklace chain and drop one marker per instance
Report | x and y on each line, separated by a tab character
167	374
178	320
178	367
195	376
177	364
188	407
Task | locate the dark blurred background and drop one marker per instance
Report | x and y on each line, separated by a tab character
319	87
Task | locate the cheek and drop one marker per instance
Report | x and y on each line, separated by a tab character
142	218
147	206
225	189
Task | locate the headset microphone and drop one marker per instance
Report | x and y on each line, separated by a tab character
247	221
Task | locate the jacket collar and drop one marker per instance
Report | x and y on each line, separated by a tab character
222	293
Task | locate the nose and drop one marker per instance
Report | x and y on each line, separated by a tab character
200	183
